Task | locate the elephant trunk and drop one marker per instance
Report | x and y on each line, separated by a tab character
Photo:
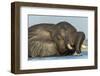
79	42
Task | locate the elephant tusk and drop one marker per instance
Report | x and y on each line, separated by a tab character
69	46
83	46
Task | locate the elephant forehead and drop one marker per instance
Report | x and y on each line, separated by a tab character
72	35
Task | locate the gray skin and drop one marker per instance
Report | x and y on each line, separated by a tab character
52	39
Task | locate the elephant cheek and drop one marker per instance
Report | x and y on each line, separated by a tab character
61	47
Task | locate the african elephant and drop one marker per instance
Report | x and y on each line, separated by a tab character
59	39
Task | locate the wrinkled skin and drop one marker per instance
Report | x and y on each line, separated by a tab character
67	34
59	35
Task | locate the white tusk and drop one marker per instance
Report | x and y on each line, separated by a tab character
83	46
69	46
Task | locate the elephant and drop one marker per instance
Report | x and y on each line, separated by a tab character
47	39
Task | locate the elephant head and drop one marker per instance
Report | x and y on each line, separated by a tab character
68	39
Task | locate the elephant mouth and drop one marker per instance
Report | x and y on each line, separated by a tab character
71	47
78	53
